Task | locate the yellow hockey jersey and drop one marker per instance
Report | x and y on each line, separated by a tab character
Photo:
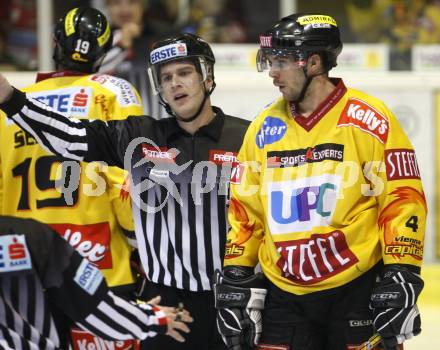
94	210
318	201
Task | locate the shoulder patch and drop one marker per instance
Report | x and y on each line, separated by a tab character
88	277
272	130
361	115
124	91
14	254
73	101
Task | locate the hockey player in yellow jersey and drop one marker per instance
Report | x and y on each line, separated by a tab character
93	210
328	201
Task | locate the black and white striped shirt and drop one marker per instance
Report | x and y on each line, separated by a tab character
41	276
179	181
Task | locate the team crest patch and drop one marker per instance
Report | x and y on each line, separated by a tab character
14	254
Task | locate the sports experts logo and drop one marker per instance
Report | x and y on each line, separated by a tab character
294	158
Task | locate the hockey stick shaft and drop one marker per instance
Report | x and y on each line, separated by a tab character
370	343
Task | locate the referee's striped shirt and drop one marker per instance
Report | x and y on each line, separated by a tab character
40	273
179	181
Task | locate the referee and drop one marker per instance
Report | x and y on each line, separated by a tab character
45	285
180	171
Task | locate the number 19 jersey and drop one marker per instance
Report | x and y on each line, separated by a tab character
93	211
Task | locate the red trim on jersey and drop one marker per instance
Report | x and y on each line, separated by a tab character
65	73
309	122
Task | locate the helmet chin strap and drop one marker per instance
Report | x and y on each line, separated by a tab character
306	84
195	115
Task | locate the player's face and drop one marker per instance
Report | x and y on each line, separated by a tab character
287	75
182	87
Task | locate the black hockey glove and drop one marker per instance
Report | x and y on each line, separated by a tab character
395	313
239	299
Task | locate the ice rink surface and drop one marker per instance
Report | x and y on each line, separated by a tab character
429	305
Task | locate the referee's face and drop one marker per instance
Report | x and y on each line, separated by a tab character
182	87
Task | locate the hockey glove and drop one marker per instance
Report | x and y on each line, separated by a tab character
395	313
239	299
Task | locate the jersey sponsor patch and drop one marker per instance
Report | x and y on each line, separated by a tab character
91	241
300	205
316	19
159	154
73	101
88	277
237	173
272	130
311	260
361	115
14	254
265	41
401	163
123	90
83	340
294	158
167	52
219	156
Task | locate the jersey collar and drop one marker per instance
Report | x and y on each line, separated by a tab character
64	73
309	122
212	130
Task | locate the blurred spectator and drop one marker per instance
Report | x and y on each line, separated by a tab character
19	36
219	21
362	17
60	8
429	23
4	17
134	31
402	32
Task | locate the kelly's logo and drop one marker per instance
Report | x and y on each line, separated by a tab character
363	116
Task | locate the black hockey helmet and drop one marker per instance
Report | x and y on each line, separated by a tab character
183	47
82	38
300	35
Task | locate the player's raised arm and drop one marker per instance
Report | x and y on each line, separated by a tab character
69	138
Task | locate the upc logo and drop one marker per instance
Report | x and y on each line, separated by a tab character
300	205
